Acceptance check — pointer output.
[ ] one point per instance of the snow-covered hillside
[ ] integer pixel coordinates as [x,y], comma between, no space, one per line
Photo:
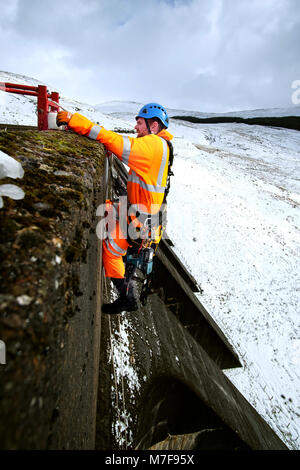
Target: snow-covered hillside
[21,109]
[237,190]
[234,219]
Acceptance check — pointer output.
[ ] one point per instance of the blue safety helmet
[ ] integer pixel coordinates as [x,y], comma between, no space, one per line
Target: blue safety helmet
[154,110]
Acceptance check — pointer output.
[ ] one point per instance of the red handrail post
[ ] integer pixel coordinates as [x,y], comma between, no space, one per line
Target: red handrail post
[42,108]
[45,100]
[54,97]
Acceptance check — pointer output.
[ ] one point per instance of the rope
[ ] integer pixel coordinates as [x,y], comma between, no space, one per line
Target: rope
[107,172]
[113,359]
[122,384]
[112,352]
[114,372]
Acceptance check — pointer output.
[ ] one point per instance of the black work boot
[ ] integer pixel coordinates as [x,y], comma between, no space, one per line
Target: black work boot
[118,283]
[126,302]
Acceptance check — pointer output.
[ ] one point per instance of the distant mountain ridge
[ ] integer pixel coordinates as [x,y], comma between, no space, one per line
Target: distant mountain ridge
[129,109]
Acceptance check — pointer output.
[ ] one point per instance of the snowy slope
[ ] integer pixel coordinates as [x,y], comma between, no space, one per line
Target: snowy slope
[130,108]
[234,208]
[237,190]
[21,109]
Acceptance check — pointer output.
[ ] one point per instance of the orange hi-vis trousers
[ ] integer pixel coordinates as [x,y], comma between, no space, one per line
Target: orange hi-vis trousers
[114,246]
[112,259]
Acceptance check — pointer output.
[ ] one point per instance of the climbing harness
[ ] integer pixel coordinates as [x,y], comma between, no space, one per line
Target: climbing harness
[170,172]
[143,258]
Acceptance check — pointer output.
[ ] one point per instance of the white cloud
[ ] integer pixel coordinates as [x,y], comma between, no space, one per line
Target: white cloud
[210,55]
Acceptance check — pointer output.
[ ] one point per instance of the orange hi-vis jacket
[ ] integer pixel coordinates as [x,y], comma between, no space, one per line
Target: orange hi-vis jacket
[147,158]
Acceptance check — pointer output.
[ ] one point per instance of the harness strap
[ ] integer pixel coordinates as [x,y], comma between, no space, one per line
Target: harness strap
[170,172]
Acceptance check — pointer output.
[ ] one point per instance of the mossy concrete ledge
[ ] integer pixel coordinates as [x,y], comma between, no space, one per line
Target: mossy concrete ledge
[50,292]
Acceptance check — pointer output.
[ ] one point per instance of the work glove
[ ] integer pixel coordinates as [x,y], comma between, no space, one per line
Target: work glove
[62,118]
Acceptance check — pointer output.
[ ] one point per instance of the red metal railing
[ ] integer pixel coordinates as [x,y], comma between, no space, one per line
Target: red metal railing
[45,101]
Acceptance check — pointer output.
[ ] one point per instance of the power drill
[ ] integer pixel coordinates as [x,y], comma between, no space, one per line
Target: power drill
[143,259]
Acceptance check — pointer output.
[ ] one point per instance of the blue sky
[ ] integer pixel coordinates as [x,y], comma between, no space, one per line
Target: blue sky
[206,55]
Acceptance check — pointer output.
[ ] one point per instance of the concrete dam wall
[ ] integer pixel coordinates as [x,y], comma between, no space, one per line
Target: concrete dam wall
[77,379]
[49,301]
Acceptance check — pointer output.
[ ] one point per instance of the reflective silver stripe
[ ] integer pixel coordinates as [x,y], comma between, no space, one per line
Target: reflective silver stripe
[163,162]
[134,178]
[112,252]
[94,132]
[134,208]
[116,247]
[126,150]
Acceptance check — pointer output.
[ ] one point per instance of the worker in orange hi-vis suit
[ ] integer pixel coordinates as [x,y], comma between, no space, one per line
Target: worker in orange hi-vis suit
[148,157]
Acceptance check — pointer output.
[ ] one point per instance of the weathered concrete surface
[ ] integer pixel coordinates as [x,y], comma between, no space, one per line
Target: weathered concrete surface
[178,389]
[49,292]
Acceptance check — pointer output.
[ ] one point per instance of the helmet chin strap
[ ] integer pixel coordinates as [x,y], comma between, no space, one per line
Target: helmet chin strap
[148,127]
